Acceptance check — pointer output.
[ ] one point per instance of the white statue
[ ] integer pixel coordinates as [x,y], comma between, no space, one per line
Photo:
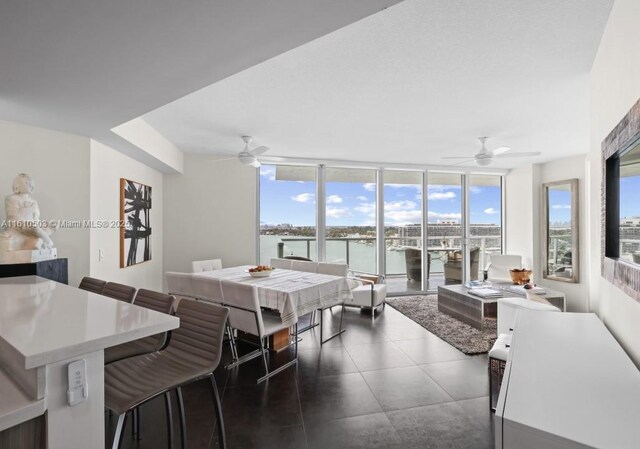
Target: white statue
[25,239]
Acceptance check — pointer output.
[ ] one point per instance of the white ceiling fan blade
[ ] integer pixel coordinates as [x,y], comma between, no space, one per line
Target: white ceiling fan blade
[500,150]
[460,163]
[525,154]
[259,150]
[458,157]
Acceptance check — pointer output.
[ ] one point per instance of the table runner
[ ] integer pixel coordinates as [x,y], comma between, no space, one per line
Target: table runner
[292,293]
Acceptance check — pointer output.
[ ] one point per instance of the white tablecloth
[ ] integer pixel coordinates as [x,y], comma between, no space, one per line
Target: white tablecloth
[292,293]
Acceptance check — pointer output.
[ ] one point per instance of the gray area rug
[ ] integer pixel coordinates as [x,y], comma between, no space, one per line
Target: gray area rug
[423,310]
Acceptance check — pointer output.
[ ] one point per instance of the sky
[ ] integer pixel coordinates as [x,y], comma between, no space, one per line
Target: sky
[630,197]
[353,204]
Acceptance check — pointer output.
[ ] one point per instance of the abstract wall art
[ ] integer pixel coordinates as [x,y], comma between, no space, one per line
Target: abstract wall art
[135,226]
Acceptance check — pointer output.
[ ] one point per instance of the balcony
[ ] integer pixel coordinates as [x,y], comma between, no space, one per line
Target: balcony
[359,252]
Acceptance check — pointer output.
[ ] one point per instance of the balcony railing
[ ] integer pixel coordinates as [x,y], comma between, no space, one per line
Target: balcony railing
[446,245]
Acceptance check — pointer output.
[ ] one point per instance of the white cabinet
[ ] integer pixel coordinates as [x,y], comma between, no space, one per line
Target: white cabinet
[568,384]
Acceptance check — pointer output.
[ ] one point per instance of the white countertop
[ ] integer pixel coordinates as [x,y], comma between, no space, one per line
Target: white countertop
[47,322]
[570,378]
[16,406]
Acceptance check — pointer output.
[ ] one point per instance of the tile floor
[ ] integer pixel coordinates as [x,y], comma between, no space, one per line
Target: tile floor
[388,384]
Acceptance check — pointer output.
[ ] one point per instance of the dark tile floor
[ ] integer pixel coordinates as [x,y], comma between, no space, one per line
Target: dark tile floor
[387,384]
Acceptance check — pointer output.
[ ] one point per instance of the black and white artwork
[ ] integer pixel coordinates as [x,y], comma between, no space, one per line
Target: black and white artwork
[135,230]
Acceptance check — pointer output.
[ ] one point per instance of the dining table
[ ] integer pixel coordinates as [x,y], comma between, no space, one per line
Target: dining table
[292,293]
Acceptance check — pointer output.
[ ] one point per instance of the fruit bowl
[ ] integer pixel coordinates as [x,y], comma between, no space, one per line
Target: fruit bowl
[520,276]
[261,271]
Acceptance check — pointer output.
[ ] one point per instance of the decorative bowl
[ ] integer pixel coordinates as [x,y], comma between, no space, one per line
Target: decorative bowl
[261,274]
[520,276]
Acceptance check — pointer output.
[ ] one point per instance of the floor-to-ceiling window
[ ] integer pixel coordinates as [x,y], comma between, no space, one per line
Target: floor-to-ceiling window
[341,211]
[350,211]
[403,230]
[287,212]
[485,219]
[444,229]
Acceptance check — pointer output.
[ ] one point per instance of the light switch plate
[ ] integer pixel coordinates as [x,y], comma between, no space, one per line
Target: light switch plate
[77,390]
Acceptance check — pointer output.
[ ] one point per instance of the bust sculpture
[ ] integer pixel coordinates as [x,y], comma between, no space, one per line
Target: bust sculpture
[24,238]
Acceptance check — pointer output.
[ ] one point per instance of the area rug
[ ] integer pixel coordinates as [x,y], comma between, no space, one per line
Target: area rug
[423,310]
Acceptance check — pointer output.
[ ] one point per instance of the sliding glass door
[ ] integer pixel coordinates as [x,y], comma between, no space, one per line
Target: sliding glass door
[287,212]
[350,211]
[403,230]
[444,229]
[485,220]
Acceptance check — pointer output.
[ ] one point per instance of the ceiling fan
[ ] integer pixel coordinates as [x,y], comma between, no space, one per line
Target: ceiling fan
[485,157]
[248,156]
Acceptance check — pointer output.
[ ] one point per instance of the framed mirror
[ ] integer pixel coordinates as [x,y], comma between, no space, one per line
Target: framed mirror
[620,219]
[560,230]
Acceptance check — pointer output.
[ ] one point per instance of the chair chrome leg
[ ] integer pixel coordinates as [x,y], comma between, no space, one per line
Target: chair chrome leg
[183,419]
[264,356]
[135,427]
[222,441]
[232,343]
[340,329]
[167,404]
[117,437]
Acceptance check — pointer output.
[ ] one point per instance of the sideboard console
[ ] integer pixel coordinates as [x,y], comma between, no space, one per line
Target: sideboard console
[567,384]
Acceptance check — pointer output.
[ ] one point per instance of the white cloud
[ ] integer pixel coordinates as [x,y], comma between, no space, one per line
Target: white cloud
[303,198]
[334,199]
[366,208]
[475,189]
[442,195]
[338,212]
[362,198]
[400,205]
[561,206]
[491,211]
[370,186]
[268,172]
[403,216]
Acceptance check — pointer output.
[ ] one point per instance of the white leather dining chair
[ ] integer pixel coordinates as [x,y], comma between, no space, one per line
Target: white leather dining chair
[246,315]
[198,266]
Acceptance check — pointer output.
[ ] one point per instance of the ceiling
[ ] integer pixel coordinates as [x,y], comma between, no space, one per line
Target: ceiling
[86,66]
[410,84]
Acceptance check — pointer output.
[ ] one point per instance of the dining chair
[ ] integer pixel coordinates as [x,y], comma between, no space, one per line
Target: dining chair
[193,354]
[246,315]
[284,264]
[92,285]
[304,265]
[160,302]
[120,292]
[198,266]
[333,269]
[179,284]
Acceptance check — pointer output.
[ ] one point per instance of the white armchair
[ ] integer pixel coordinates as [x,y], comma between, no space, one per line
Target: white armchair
[368,290]
[499,266]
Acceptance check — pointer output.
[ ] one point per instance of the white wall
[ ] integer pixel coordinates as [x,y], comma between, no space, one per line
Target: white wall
[210,212]
[59,165]
[615,87]
[519,212]
[107,166]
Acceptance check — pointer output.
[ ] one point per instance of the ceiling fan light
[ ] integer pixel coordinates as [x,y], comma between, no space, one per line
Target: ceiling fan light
[247,159]
[483,162]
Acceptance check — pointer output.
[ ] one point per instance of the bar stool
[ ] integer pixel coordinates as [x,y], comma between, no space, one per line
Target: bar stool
[498,356]
[92,285]
[160,302]
[120,292]
[193,353]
